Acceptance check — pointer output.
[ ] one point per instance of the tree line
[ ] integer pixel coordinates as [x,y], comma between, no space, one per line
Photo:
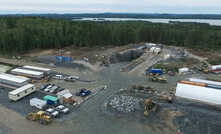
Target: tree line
[22,34]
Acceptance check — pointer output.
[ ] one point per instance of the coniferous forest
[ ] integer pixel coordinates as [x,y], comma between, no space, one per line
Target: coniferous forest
[22,34]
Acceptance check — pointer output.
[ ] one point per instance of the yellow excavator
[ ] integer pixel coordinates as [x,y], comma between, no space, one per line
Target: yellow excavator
[150,106]
[156,78]
[40,116]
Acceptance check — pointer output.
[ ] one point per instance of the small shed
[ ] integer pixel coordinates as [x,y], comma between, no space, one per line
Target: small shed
[65,96]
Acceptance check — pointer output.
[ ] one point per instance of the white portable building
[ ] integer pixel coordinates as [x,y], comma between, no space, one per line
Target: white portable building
[38,103]
[157,50]
[21,92]
[28,73]
[41,69]
[183,70]
[199,93]
[13,80]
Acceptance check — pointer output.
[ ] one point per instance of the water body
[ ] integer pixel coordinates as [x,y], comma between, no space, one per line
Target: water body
[209,21]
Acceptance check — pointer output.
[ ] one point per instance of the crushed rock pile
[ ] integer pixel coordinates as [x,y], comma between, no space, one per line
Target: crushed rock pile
[124,104]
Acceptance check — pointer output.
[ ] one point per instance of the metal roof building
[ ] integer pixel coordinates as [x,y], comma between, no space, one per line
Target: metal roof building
[28,73]
[208,94]
[13,80]
[205,81]
[45,70]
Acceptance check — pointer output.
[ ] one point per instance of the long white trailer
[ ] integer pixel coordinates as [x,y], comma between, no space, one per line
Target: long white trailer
[41,69]
[28,73]
[21,92]
[13,80]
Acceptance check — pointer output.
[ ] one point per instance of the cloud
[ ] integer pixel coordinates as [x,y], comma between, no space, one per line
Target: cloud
[99,6]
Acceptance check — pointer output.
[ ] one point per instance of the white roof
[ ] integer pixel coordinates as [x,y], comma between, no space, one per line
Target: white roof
[204,94]
[25,71]
[205,81]
[21,89]
[36,100]
[37,68]
[67,95]
[13,78]
[61,93]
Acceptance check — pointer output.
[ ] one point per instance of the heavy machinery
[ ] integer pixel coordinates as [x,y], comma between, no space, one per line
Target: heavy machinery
[150,106]
[40,116]
[156,78]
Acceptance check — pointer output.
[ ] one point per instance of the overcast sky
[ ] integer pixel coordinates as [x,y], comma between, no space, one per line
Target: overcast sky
[119,6]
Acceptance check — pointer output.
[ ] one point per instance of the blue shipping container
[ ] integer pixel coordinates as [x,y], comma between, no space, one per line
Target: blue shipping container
[156,71]
[64,59]
[49,102]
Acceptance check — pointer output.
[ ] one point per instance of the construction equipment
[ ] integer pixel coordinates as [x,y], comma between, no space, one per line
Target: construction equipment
[150,106]
[40,116]
[156,78]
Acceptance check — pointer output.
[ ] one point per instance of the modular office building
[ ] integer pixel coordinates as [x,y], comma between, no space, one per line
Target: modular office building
[21,92]
[12,80]
[28,73]
[33,68]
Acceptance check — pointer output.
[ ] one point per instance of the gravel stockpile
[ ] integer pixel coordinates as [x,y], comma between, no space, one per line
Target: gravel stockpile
[124,104]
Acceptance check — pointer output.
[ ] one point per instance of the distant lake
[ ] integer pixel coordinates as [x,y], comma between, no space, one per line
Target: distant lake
[209,21]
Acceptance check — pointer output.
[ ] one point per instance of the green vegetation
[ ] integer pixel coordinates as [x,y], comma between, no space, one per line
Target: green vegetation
[21,34]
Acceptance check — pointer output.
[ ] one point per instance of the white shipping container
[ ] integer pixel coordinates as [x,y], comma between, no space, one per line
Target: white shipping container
[204,94]
[38,103]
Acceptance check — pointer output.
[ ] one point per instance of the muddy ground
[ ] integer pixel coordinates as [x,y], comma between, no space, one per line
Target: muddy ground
[94,117]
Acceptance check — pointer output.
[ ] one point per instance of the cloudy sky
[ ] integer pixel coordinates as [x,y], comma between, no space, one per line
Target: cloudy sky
[119,6]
